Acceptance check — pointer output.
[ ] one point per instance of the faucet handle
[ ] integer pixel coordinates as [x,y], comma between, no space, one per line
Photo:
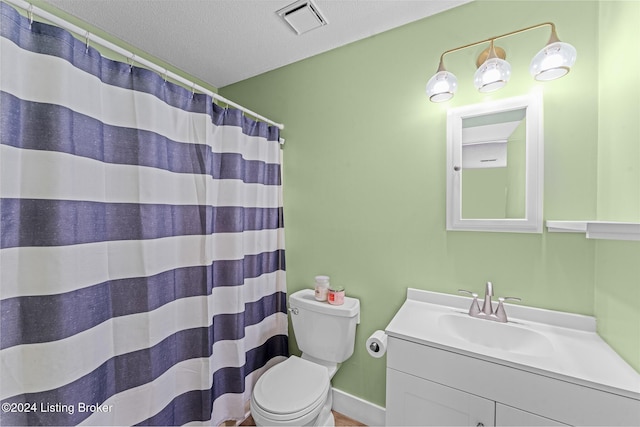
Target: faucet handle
[501,314]
[464,291]
[475,306]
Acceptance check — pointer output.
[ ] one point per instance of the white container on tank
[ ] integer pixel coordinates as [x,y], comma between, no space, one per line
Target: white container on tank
[322,288]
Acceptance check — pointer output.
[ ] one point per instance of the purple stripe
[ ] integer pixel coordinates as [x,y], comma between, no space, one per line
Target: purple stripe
[38,222]
[45,318]
[67,131]
[43,222]
[234,272]
[134,369]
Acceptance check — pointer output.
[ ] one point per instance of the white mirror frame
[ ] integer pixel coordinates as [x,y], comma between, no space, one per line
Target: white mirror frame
[532,222]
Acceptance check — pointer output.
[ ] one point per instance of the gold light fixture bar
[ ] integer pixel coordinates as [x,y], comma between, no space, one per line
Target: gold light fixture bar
[554,38]
[551,62]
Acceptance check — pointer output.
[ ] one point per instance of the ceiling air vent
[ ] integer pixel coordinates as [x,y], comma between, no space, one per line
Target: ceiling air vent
[302,16]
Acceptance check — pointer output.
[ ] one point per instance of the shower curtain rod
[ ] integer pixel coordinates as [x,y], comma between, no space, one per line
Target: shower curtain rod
[89,37]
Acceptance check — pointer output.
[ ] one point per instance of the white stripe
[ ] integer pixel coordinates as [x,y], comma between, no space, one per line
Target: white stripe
[231,140]
[233,192]
[53,270]
[231,299]
[53,175]
[62,176]
[253,288]
[86,94]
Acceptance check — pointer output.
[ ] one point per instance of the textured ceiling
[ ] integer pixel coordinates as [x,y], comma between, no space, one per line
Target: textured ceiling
[225,41]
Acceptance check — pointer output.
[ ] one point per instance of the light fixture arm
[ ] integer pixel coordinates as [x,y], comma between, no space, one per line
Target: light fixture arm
[554,38]
[492,51]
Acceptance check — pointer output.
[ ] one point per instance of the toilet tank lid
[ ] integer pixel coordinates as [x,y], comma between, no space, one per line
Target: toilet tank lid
[305,298]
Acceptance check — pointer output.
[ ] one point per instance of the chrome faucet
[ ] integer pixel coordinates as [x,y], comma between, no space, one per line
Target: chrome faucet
[487,312]
[487,307]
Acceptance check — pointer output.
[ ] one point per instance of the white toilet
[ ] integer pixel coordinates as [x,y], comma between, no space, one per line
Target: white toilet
[297,392]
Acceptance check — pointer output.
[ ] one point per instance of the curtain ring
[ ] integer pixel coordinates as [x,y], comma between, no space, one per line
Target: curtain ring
[30,15]
[193,89]
[164,75]
[86,42]
[133,60]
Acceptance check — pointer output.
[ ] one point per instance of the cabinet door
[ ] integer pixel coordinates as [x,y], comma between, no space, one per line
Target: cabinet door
[413,401]
[508,416]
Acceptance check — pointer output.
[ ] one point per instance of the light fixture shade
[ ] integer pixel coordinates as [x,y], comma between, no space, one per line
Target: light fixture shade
[553,61]
[493,74]
[442,86]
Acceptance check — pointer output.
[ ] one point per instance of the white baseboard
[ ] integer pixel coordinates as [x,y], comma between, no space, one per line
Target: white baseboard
[359,409]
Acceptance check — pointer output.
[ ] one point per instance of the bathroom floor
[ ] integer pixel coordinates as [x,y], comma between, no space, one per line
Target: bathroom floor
[341,421]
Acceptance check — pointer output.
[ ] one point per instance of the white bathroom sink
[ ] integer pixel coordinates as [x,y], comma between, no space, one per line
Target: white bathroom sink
[560,345]
[503,336]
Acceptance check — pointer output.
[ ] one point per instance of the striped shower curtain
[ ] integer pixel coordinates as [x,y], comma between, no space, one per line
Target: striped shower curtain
[142,251]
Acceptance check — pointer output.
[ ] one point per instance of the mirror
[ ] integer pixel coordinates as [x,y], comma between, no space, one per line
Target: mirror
[495,166]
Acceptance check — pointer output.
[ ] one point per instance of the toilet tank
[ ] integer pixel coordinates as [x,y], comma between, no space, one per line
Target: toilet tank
[324,331]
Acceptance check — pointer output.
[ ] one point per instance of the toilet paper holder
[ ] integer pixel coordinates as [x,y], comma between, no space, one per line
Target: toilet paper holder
[377,344]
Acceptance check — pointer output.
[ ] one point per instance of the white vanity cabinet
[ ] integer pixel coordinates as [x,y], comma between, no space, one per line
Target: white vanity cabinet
[429,386]
[414,401]
[436,379]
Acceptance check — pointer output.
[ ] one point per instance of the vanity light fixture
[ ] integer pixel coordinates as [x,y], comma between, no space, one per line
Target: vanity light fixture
[551,62]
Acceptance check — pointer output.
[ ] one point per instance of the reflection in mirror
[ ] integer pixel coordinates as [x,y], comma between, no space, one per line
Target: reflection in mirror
[493,165]
[494,157]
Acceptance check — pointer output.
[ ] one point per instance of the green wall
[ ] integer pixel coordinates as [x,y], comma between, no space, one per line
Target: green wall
[619,114]
[364,173]
[617,268]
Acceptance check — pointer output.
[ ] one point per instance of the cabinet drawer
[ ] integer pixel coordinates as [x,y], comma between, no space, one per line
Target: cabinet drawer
[536,393]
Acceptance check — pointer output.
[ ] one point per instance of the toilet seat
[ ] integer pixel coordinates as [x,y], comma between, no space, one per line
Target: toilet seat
[291,390]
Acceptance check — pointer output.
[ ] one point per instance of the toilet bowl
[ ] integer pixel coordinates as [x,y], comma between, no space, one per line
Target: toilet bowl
[298,391]
[295,392]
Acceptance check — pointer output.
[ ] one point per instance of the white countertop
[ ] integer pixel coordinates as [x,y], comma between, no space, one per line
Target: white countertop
[576,352]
